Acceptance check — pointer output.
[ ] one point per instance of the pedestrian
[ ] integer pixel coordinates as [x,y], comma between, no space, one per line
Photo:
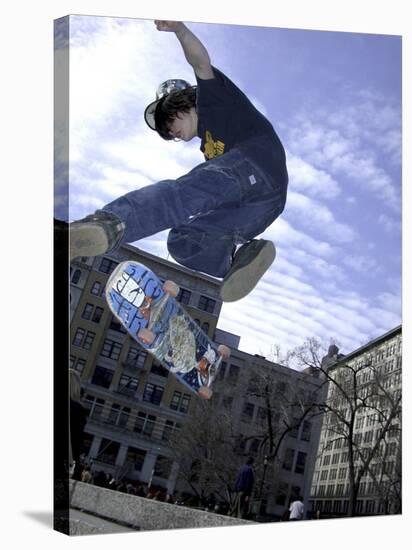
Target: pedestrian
[296,509]
[78,419]
[243,489]
[216,210]
[87,475]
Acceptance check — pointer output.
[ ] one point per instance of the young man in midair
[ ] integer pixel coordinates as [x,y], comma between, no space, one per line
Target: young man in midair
[216,210]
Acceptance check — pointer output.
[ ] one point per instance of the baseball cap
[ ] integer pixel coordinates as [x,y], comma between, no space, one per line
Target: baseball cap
[164,89]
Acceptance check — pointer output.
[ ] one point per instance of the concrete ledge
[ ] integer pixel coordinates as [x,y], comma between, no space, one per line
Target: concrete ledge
[143,513]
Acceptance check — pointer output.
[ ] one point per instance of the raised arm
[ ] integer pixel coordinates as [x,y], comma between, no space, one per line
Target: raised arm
[195,52]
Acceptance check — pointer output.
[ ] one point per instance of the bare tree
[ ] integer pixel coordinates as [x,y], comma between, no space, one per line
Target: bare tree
[205,449]
[358,391]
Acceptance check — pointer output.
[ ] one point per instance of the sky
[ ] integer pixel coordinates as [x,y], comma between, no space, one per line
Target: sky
[334,99]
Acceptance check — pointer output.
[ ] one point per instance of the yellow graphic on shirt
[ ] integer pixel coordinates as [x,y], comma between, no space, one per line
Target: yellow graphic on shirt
[213,148]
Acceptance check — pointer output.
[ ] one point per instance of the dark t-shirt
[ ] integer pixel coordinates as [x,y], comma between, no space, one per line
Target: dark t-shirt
[245,480]
[227,119]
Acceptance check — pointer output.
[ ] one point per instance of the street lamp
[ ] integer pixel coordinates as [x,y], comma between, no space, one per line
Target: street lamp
[265,464]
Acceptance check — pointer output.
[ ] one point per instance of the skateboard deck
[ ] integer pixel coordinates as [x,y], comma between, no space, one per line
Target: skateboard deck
[149,311]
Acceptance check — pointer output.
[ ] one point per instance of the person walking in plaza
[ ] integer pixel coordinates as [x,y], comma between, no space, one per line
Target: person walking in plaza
[215,211]
[296,509]
[243,488]
[77,423]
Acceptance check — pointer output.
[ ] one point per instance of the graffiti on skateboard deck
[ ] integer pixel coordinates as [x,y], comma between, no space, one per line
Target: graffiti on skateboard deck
[150,313]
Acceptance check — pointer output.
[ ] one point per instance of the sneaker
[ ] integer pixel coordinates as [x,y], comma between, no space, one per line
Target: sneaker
[96,234]
[249,264]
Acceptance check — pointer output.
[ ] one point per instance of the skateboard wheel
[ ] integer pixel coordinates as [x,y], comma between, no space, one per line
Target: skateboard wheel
[205,392]
[171,288]
[224,351]
[146,336]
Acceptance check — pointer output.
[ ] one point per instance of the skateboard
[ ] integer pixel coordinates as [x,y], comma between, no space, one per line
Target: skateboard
[149,311]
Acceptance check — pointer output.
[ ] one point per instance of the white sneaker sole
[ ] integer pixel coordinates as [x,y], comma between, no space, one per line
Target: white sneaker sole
[87,239]
[244,280]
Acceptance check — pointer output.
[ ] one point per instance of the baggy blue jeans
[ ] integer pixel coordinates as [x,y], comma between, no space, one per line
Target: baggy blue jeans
[221,203]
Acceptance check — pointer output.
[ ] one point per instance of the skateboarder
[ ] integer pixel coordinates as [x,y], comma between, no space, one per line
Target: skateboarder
[218,208]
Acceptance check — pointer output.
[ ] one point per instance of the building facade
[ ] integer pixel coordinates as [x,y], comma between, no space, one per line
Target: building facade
[135,406]
[362,420]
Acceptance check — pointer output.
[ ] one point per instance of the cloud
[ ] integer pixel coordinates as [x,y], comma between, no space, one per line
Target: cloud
[362,264]
[282,231]
[351,141]
[306,178]
[315,216]
[390,224]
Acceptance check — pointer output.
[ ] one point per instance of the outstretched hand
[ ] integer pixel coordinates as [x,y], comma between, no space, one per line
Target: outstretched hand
[169,26]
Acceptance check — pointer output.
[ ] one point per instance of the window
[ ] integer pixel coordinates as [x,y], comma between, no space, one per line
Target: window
[300,463]
[153,394]
[83,339]
[392,448]
[136,357]
[163,467]
[78,337]
[76,276]
[80,365]
[145,424]
[332,474]
[326,460]
[160,370]
[254,446]
[247,412]
[114,414]
[89,339]
[87,311]
[368,436]
[207,304]
[306,429]
[342,473]
[170,427]
[324,475]
[117,326]
[96,288]
[357,438]
[288,460]
[180,402]
[128,385]
[108,451]
[261,416]
[335,458]
[222,370]
[111,349]
[98,312]
[360,422]
[294,427]
[233,374]
[136,457]
[340,489]
[95,406]
[184,296]
[337,505]
[102,377]
[107,266]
